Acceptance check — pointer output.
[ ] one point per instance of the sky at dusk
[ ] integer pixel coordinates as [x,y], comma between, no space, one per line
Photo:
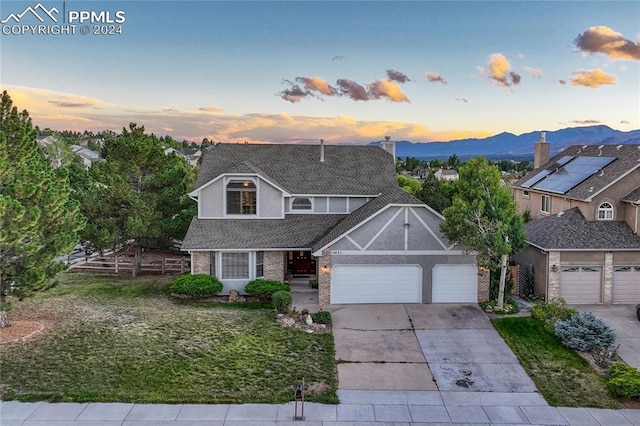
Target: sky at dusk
[347,72]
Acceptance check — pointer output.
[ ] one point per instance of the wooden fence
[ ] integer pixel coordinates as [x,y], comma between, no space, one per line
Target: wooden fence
[124,264]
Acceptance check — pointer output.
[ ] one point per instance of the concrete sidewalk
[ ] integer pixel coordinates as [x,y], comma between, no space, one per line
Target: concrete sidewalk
[357,407]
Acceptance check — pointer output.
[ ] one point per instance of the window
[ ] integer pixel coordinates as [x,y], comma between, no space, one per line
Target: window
[259,264]
[241,197]
[235,265]
[301,203]
[546,204]
[605,211]
[525,194]
[212,267]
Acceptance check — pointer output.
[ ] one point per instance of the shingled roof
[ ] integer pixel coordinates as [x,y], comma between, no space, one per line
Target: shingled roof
[569,230]
[346,169]
[633,197]
[627,158]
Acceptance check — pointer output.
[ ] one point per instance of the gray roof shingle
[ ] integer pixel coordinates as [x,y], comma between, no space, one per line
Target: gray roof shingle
[627,159]
[347,169]
[633,197]
[571,231]
[294,231]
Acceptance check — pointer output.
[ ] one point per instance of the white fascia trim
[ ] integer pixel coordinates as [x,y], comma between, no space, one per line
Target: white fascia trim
[614,181]
[241,216]
[546,249]
[337,195]
[398,253]
[238,175]
[246,250]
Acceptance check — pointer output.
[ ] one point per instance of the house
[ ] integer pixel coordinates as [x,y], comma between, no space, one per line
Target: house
[87,156]
[447,174]
[335,212]
[585,209]
[192,156]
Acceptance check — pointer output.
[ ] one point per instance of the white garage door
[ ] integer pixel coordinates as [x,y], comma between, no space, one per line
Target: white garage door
[580,284]
[455,284]
[376,284]
[626,284]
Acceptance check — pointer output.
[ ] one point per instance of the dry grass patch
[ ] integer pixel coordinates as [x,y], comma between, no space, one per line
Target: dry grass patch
[124,339]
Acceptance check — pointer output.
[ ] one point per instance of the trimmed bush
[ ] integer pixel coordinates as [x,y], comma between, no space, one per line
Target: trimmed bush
[584,332]
[196,286]
[265,288]
[553,311]
[624,380]
[322,317]
[282,301]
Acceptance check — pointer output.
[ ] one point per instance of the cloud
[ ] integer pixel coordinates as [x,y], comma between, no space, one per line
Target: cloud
[562,82]
[465,100]
[316,84]
[608,42]
[586,121]
[338,58]
[434,77]
[68,104]
[213,109]
[536,72]
[592,78]
[499,71]
[352,90]
[393,75]
[624,122]
[387,89]
[294,93]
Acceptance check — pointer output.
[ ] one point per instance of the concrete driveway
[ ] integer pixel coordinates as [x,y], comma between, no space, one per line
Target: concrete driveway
[423,347]
[623,320]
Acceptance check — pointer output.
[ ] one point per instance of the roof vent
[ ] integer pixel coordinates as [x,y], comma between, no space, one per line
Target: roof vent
[322,150]
[560,214]
[620,146]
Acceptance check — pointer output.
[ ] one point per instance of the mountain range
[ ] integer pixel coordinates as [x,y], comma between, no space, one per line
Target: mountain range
[508,145]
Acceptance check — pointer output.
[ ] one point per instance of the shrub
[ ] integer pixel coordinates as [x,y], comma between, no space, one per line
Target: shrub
[313,283]
[584,332]
[200,285]
[556,309]
[265,288]
[508,307]
[322,317]
[282,301]
[624,380]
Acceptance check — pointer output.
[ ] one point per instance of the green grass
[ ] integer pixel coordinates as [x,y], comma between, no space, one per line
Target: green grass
[124,339]
[562,376]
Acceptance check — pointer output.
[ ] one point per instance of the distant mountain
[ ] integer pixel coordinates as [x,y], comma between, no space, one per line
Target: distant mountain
[516,146]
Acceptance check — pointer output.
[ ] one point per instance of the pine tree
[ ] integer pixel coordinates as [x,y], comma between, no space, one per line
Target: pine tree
[38,219]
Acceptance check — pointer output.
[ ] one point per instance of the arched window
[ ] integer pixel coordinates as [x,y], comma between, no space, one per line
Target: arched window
[301,203]
[241,197]
[605,211]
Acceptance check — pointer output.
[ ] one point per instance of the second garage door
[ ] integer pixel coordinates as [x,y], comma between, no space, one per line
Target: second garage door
[580,284]
[626,284]
[376,284]
[455,284]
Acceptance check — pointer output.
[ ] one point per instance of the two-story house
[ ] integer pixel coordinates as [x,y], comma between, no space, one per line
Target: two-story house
[585,209]
[332,211]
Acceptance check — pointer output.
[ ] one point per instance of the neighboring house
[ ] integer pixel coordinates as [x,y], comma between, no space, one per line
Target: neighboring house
[88,156]
[447,174]
[335,212]
[192,156]
[585,206]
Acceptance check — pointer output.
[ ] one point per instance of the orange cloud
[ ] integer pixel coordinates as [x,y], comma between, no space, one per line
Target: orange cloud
[592,78]
[317,84]
[499,70]
[387,89]
[608,42]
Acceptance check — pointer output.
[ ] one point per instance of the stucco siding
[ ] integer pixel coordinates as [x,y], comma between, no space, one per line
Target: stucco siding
[211,200]
[269,201]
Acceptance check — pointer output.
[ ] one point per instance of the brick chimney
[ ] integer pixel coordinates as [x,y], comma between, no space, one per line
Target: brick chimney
[541,151]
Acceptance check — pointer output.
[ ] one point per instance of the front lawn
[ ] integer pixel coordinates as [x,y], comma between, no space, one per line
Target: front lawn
[123,339]
[562,376]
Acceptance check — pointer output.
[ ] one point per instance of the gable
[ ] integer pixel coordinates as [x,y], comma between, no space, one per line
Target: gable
[396,229]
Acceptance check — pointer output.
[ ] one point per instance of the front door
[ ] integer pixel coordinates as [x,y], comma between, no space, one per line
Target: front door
[301,263]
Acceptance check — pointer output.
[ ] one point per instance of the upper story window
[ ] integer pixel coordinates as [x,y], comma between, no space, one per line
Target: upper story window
[525,194]
[301,203]
[241,197]
[605,211]
[545,207]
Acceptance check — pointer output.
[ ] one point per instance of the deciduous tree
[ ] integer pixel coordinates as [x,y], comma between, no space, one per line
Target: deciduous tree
[484,217]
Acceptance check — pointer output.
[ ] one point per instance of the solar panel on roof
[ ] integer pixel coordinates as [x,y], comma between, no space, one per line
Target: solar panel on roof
[572,174]
[543,173]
